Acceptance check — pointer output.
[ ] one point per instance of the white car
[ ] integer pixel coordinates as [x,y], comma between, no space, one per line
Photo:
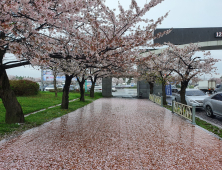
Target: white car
[98,89]
[194,97]
[213,105]
[114,89]
[51,87]
[218,88]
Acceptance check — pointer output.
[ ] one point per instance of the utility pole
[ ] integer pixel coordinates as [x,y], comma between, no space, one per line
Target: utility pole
[41,78]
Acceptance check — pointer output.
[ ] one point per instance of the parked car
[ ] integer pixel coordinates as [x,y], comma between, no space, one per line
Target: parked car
[174,89]
[114,89]
[51,87]
[98,89]
[71,88]
[40,87]
[213,105]
[193,97]
[218,88]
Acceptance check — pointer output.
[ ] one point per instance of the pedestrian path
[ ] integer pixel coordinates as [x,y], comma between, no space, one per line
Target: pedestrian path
[114,133]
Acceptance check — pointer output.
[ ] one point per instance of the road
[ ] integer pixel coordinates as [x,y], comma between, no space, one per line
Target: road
[125,93]
[200,113]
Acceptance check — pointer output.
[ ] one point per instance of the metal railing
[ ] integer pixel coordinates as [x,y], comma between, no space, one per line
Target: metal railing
[156,99]
[183,110]
[152,97]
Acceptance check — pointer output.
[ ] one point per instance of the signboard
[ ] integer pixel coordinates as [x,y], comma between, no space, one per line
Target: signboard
[218,34]
[48,76]
[168,90]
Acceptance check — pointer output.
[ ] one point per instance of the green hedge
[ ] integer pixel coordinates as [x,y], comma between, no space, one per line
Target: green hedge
[24,87]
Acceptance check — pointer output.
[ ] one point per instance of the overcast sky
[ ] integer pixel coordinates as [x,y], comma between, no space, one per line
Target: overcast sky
[183,14]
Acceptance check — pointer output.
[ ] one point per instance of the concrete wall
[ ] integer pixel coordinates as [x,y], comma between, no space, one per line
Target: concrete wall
[143,89]
[107,87]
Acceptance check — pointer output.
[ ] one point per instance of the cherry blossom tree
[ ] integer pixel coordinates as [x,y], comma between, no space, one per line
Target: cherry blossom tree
[217,80]
[158,67]
[146,72]
[15,36]
[187,65]
[105,37]
[86,31]
[22,24]
[122,67]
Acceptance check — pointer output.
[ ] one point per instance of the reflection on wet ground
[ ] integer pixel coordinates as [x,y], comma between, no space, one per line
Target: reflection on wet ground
[114,134]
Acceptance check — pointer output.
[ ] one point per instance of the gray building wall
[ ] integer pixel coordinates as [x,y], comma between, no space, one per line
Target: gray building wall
[143,89]
[179,36]
[107,87]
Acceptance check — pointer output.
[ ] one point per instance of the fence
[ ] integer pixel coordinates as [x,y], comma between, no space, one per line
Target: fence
[185,111]
[156,99]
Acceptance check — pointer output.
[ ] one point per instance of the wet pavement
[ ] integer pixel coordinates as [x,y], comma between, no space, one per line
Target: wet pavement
[114,133]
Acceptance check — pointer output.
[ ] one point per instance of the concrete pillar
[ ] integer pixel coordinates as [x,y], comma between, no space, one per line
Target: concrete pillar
[107,87]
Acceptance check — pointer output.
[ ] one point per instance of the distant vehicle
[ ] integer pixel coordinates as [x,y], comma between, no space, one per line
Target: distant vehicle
[71,88]
[174,89]
[213,105]
[218,88]
[40,87]
[206,85]
[76,87]
[114,89]
[98,89]
[119,86]
[193,97]
[51,87]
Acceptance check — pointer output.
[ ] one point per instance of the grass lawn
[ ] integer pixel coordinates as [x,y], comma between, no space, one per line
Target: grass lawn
[42,100]
[209,127]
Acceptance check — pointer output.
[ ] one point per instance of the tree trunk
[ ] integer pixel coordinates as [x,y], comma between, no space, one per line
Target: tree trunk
[93,86]
[65,95]
[82,92]
[151,87]
[184,85]
[92,89]
[164,93]
[14,113]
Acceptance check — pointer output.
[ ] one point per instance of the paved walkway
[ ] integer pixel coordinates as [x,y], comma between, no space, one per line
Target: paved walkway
[114,134]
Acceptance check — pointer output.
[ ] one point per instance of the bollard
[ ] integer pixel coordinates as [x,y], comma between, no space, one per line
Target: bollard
[172,104]
[162,101]
[193,115]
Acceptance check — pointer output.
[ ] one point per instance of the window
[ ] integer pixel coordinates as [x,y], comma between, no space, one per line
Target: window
[217,97]
[218,86]
[195,93]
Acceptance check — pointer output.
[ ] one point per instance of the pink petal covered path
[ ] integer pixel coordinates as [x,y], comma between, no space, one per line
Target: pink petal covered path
[114,134]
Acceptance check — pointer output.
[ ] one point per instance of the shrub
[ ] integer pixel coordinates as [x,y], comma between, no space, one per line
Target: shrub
[24,87]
